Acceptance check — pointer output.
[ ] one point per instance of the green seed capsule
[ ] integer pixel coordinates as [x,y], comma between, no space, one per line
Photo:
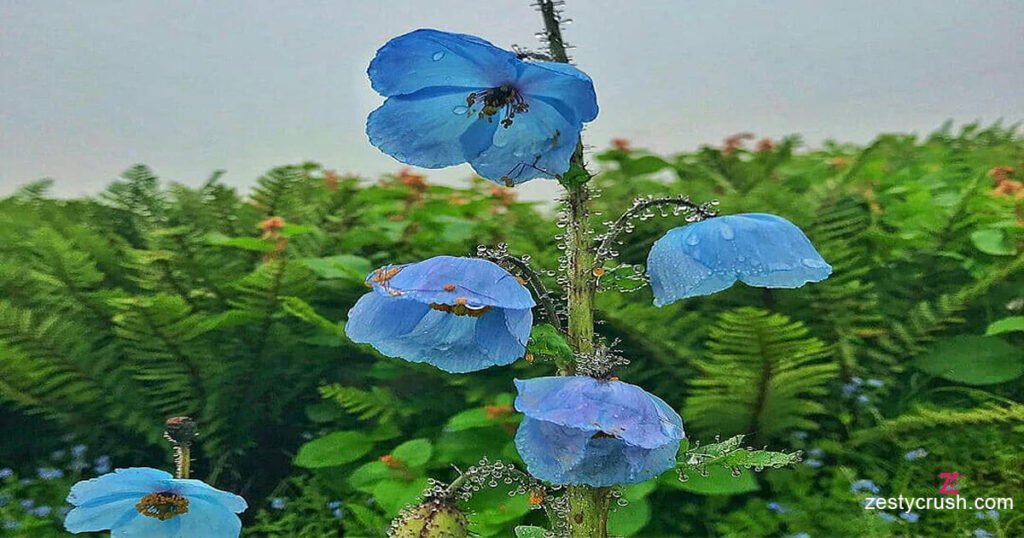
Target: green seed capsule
[432,519]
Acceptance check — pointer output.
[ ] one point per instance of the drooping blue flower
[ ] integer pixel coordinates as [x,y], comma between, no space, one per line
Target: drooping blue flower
[711,255]
[982,533]
[455,98]
[915,454]
[148,502]
[864,485]
[458,314]
[581,430]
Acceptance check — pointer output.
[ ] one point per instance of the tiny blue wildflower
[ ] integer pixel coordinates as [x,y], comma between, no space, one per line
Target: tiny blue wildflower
[813,463]
[816,452]
[455,98]
[988,514]
[58,454]
[4,499]
[777,508]
[875,383]
[863,399]
[581,430]
[982,533]
[149,502]
[886,517]
[334,505]
[338,513]
[42,511]
[102,465]
[800,535]
[915,454]
[910,517]
[10,525]
[458,314]
[49,473]
[278,503]
[864,485]
[6,472]
[711,255]
[78,451]
[26,481]
[28,504]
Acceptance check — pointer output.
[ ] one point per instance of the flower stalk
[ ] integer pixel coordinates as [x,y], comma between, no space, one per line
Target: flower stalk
[588,506]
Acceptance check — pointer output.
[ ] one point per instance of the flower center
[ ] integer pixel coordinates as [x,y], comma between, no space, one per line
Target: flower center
[501,99]
[163,505]
[462,309]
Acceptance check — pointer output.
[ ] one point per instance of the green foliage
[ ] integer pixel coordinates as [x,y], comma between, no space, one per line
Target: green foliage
[152,299]
[763,375]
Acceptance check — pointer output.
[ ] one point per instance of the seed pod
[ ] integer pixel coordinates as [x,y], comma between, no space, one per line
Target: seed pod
[435,518]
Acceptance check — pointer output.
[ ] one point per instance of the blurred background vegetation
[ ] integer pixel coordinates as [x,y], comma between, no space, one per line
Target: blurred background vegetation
[153,299]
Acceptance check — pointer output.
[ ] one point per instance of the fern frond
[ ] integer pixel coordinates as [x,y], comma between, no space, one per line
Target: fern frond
[925,418]
[377,403]
[763,375]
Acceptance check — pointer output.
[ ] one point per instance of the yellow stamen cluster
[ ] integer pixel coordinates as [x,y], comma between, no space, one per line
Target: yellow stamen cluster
[163,505]
[462,309]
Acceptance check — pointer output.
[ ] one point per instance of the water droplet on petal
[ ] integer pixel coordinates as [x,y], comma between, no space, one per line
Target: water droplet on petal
[727,232]
[460,110]
[438,55]
[812,263]
[693,240]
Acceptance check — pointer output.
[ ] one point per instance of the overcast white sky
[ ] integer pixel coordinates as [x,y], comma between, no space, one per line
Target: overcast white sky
[89,87]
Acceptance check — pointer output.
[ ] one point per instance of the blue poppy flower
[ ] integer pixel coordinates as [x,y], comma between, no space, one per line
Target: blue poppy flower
[581,430]
[711,255]
[458,314]
[864,484]
[148,502]
[910,517]
[455,98]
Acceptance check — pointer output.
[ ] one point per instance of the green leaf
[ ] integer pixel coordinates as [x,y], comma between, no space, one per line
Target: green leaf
[342,266]
[992,241]
[368,474]
[333,449]
[630,519]
[254,244]
[719,481]
[973,360]
[524,531]
[647,164]
[1006,325]
[415,453]
[546,340]
[393,495]
[575,177]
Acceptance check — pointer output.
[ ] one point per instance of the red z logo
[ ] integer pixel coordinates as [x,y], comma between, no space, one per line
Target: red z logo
[950,486]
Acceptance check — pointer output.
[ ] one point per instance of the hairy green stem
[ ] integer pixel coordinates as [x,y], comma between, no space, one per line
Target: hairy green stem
[588,506]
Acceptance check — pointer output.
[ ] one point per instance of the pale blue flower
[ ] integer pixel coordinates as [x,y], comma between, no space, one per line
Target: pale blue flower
[455,98]
[910,517]
[982,533]
[711,255]
[144,502]
[581,430]
[864,485]
[458,314]
[915,454]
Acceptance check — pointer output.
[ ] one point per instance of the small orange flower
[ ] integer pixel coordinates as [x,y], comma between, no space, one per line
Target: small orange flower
[1000,173]
[456,199]
[331,180]
[505,196]
[765,145]
[838,162]
[735,142]
[391,461]
[272,224]
[412,180]
[495,411]
[536,497]
[621,144]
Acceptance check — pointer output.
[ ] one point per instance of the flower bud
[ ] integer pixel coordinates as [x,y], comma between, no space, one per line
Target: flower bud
[435,518]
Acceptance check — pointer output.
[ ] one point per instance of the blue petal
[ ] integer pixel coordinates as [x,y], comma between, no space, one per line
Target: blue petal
[709,256]
[135,480]
[210,519]
[405,328]
[560,82]
[478,281]
[102,516]
[550,450]
[150,527]
[626,411]
[431,128]
[376,318]
[539,143]
[425,58]
[197,489]
[564,455]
